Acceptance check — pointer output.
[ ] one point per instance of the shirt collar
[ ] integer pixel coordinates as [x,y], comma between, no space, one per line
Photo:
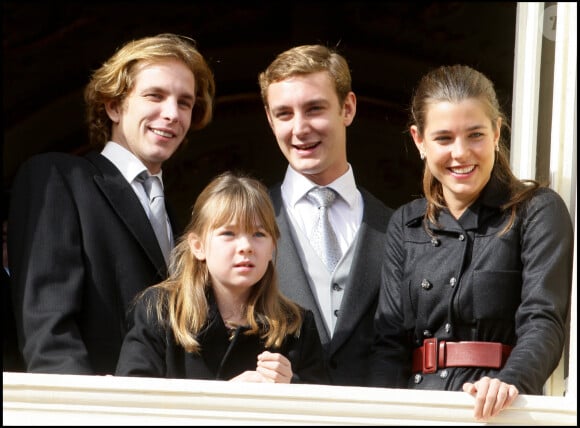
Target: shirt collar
[125,161]
[489,202]
[494,194]
[296,186]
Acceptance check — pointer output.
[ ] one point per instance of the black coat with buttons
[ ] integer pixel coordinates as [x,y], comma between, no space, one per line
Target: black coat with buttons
[466,283]
[150,348]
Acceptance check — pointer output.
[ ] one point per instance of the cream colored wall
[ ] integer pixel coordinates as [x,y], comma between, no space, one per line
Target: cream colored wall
[533,27]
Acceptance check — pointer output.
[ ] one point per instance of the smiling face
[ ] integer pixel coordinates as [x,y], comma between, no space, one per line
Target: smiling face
[459,145]
[154,118]
[236,259]
[310,124]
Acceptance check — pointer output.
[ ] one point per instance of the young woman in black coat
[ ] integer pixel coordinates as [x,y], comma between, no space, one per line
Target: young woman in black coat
[477,274]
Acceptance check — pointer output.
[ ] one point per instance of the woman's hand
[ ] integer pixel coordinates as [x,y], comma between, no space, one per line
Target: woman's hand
[491,396]
[274,367]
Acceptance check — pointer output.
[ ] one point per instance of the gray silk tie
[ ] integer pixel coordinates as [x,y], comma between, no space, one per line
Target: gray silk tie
[323,237]
[158,219]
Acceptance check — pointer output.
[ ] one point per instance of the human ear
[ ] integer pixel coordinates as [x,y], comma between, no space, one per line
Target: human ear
[269,117]
[418,140]
[497,131]
[112,107]
[349,108]
[196,246]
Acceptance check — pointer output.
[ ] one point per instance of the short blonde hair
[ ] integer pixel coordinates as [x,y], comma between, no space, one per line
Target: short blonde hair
[307,59]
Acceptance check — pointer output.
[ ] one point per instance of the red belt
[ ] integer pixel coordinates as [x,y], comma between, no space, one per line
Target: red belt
[434,355]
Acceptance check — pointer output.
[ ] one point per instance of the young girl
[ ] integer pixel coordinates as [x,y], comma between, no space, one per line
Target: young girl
[219,315]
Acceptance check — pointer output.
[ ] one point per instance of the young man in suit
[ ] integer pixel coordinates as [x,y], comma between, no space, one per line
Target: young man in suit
[309,104]
[81,237]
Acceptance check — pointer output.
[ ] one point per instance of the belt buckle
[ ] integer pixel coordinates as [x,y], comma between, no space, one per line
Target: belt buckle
[430,355]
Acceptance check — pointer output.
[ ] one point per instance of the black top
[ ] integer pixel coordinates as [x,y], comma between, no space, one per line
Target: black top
[466,283]
[81,248]
[150,349]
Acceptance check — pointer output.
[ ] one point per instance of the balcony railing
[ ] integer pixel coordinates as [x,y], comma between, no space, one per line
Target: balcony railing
[46,399]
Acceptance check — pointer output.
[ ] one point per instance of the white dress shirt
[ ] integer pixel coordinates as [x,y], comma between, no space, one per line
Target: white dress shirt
[131,167]
[345,213]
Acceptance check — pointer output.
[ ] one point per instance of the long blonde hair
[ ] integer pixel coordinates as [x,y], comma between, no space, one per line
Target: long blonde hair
[184,303]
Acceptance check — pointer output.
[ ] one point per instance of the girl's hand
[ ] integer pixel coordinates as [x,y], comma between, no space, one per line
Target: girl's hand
[274,367]
[249,376]
[491,396]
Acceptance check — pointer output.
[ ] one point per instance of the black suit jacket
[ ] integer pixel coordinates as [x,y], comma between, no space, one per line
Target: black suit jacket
[11,357]
[347,353]
[81,247]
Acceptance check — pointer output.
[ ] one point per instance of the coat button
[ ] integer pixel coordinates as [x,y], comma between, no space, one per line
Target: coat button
[336,287]
[461,237]
[435,242]
[443,374]
[447,328]
[418,378]
[427,333]
[425,284]
[452,282]
[336,313]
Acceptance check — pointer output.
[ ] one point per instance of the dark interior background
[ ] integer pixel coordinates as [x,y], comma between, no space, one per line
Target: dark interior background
[51,47]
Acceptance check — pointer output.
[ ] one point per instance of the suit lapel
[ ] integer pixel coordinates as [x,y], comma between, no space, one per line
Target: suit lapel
[364,278]
[126,205]
[294,282]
